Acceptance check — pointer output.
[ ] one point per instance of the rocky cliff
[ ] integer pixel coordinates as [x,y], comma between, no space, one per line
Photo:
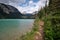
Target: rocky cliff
[9,12]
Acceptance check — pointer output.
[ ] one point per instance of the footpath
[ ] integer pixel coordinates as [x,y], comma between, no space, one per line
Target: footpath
[40,34]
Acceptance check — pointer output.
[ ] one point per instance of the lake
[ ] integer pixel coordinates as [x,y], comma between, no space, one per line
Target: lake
[11,29]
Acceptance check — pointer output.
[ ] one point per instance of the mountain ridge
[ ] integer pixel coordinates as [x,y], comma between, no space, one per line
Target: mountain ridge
[8,11]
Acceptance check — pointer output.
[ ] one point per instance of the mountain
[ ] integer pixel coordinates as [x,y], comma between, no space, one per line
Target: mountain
[28,16]
[9,12]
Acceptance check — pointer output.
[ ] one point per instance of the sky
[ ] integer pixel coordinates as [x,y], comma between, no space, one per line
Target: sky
[26,6]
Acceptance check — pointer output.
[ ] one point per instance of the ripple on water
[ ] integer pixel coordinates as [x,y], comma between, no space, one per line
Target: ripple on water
[10,29]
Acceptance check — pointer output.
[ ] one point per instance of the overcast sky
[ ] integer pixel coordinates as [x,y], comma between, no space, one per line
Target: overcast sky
[28,6]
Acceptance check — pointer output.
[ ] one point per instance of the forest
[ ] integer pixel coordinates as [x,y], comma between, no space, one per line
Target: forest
[51,16]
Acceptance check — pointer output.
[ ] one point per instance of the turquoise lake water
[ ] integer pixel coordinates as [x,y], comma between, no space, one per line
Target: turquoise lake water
[11,29]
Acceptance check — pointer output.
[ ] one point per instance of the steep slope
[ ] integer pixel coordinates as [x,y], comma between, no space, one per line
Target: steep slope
[9,12]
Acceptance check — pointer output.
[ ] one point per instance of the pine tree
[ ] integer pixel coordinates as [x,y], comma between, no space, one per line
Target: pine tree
[51,15]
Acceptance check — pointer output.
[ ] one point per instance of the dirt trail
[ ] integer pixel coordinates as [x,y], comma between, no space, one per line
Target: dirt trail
[40,34]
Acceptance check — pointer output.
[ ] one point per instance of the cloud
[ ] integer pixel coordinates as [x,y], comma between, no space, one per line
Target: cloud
[32,7]
[25,6]
[3,1]
[14,1]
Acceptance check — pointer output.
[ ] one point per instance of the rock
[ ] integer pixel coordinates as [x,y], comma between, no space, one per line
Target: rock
[9,12]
